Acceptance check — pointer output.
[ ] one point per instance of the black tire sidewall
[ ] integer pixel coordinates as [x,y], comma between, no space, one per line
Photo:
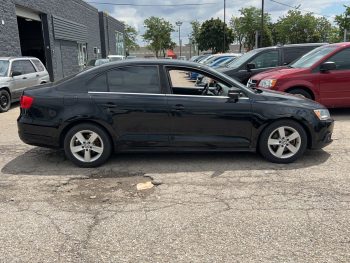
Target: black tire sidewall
[92,127]
[2,93]
[301,92]
[263,145]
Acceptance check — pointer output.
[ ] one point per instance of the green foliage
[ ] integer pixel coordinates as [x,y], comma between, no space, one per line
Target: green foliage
[245,27]
[158,35]
[211,36]
[196,26]
[130,38]
[343,20]
[298,28]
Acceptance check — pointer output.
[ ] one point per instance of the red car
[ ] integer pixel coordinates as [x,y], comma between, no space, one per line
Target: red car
[323,75]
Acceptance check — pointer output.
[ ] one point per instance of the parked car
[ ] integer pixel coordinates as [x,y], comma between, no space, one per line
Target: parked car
[97,62]
[322,75]
[115,57]
[262,59]
[143,106]
[17,74]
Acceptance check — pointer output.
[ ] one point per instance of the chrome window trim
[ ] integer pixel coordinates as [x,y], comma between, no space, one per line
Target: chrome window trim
[155,94]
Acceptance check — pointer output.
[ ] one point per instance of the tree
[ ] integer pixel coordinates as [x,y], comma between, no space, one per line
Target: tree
[211,36]
[298,28]
[343,20]
[248,24]
[236,25]
[130,38]
[158,35]
[194,36]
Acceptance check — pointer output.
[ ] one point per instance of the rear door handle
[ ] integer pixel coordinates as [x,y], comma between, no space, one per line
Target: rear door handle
[24,78]
[110,105]
[179,107]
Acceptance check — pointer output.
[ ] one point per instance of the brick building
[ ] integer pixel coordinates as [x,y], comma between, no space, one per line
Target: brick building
[64,34]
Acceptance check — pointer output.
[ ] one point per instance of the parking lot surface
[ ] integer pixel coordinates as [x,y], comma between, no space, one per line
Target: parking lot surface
[205,207]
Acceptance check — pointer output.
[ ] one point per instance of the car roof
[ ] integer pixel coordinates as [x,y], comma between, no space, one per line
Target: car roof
[292,45]
[15,58]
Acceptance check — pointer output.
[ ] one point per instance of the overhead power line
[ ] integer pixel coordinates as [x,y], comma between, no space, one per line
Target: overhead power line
[165,5]
[298,8]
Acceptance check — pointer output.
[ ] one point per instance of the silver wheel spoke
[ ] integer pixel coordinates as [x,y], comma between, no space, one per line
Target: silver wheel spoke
[273,142]
[87,156]
[292,148]
[80,137]
[97,149]
[76,149]
[293,136]
[93,137]
[279,152]
[281,132]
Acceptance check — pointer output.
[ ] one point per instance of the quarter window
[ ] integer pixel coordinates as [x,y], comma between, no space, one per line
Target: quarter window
[98,84]
[341,59]
[38,65]
[140,79]
[23,66]
[266,60]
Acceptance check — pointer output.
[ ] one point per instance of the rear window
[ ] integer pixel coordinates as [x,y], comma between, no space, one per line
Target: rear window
[38,65]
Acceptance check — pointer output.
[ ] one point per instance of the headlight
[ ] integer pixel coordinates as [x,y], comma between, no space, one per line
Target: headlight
[322,114]
[268,83]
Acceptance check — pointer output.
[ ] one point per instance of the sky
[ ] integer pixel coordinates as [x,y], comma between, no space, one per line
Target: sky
[135,15]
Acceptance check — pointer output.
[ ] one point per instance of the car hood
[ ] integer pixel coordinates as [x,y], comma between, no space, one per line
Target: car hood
[277,97]
[278,73]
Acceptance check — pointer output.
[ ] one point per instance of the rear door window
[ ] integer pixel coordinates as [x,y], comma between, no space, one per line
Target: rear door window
[266,60]
[291,54]
[23,66]
[40,67]
[98,83]
[134,79]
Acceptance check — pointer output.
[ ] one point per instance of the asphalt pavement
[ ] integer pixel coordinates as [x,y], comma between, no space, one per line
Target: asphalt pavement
[204,207]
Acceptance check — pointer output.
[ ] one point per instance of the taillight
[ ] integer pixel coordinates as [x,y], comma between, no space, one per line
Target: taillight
[26,102]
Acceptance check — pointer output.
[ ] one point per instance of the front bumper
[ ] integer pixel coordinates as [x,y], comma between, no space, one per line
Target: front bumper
[323,134]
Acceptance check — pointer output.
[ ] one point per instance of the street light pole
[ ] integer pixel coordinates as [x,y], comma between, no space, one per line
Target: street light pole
[179,23]
[223,50]
[262,23]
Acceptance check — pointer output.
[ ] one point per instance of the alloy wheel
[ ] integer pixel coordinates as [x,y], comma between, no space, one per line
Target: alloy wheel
[86,146]
[284,142]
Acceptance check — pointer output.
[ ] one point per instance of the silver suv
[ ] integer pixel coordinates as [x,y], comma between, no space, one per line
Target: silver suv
[17,74]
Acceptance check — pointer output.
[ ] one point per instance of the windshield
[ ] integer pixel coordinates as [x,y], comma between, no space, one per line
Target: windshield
[312,57]
[241,60]
[4,65]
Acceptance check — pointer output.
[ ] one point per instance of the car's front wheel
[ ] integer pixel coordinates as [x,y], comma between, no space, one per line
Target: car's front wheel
[283,141]
[87,145]
[5,101]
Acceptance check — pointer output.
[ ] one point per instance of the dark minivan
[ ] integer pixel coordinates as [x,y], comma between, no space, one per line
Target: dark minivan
[149,105]
[262,59]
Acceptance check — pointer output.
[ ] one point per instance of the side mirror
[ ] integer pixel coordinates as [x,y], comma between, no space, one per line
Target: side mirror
[250,66]
[16,73]
[327,66]
[234,94]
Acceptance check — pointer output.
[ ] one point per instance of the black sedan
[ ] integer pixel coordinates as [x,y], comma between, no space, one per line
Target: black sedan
[149,105]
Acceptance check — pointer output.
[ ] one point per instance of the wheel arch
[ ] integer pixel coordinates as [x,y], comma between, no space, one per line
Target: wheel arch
[299,121]
[69,126]
[7,89]
[302,87]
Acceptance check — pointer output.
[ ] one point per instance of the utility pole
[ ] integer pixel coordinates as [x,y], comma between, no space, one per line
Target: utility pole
[262,23]
[179,24]
[223,50]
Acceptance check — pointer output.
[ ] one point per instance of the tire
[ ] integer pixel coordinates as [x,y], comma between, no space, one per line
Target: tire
[283,141]
[86,152]
[5,100]
[301,93]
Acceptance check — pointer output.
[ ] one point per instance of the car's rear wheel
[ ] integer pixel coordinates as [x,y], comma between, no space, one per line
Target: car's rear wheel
[87,145]
[283,141]
[5,101]
[301,93]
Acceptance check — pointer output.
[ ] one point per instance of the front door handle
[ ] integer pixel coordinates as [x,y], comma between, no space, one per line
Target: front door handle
[24,78]
[109,105]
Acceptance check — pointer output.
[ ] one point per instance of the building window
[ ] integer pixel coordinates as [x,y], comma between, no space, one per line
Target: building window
[119,37]
[82,55]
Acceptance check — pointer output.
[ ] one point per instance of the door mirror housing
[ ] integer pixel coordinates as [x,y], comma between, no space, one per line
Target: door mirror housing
[250,66]
[16,73]
[234,94]
[327,66]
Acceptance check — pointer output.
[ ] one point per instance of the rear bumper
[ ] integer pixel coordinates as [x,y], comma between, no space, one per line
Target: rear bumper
[38,135]
[323,136]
